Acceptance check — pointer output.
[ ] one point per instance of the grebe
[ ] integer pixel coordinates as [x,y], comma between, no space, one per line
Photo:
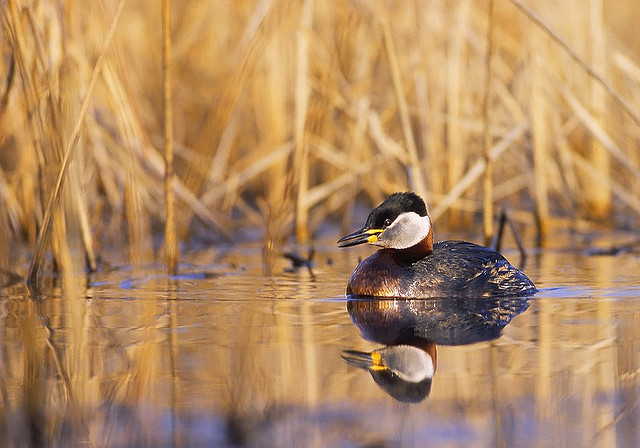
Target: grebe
[410,265]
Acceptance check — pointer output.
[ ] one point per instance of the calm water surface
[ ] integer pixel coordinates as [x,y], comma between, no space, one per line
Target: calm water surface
[224,355]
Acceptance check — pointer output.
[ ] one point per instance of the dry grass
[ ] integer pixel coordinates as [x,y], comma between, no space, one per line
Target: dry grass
[286,113]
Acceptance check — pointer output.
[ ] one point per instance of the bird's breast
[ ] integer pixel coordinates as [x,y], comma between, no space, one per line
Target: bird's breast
[380,275]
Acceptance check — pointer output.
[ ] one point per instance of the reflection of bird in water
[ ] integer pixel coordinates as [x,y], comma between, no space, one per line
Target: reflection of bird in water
[452,321]
[411,328]
[411,265]
[403,371]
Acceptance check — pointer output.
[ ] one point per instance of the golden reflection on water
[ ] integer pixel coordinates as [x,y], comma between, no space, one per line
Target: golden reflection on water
[224,356]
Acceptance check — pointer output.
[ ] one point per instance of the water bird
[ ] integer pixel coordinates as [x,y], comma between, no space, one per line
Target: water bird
[410,265]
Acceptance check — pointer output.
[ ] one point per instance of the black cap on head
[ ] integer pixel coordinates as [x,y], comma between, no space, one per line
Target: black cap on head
[393,206]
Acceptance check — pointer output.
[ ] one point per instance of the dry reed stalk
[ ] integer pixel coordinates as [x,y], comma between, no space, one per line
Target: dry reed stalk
[386,144]
[171,237]
[599,199]
[416,180]
[631,73]
[621,102]
[358,143]
[509,187]
[220,161]
[487,196]
[477,169]
[426,134]
[256,35]
[9,81]
[108,170]
[85,226]
[564,160]
[140,250]
[595,129]
[538,111]
[430,96]
[31,202]
[324,151]
[344,161]
[626,65]
[301,98]
[586,166]
[323,191]
[513,107]
[455,84]
[32,276]
[275,213]
[136,203]
[64,115]
[53,137]
[14,210]
[5,243]
[257,164]
[144,164]
[154,162]
[14,31]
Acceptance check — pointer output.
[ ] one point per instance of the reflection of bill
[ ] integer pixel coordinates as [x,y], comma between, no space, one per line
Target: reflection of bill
[411,328]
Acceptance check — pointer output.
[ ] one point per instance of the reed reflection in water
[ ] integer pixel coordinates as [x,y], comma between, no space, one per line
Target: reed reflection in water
[224,356]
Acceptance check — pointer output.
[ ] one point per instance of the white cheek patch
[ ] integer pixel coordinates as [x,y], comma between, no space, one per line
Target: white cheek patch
[407,230]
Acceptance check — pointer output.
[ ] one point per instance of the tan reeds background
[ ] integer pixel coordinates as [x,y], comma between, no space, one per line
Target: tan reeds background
[287,112]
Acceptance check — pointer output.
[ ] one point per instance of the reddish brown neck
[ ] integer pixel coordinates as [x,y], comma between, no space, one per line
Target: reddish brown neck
[416,252]
[430,348]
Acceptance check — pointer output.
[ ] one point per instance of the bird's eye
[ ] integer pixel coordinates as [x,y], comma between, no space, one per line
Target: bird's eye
[387,223]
